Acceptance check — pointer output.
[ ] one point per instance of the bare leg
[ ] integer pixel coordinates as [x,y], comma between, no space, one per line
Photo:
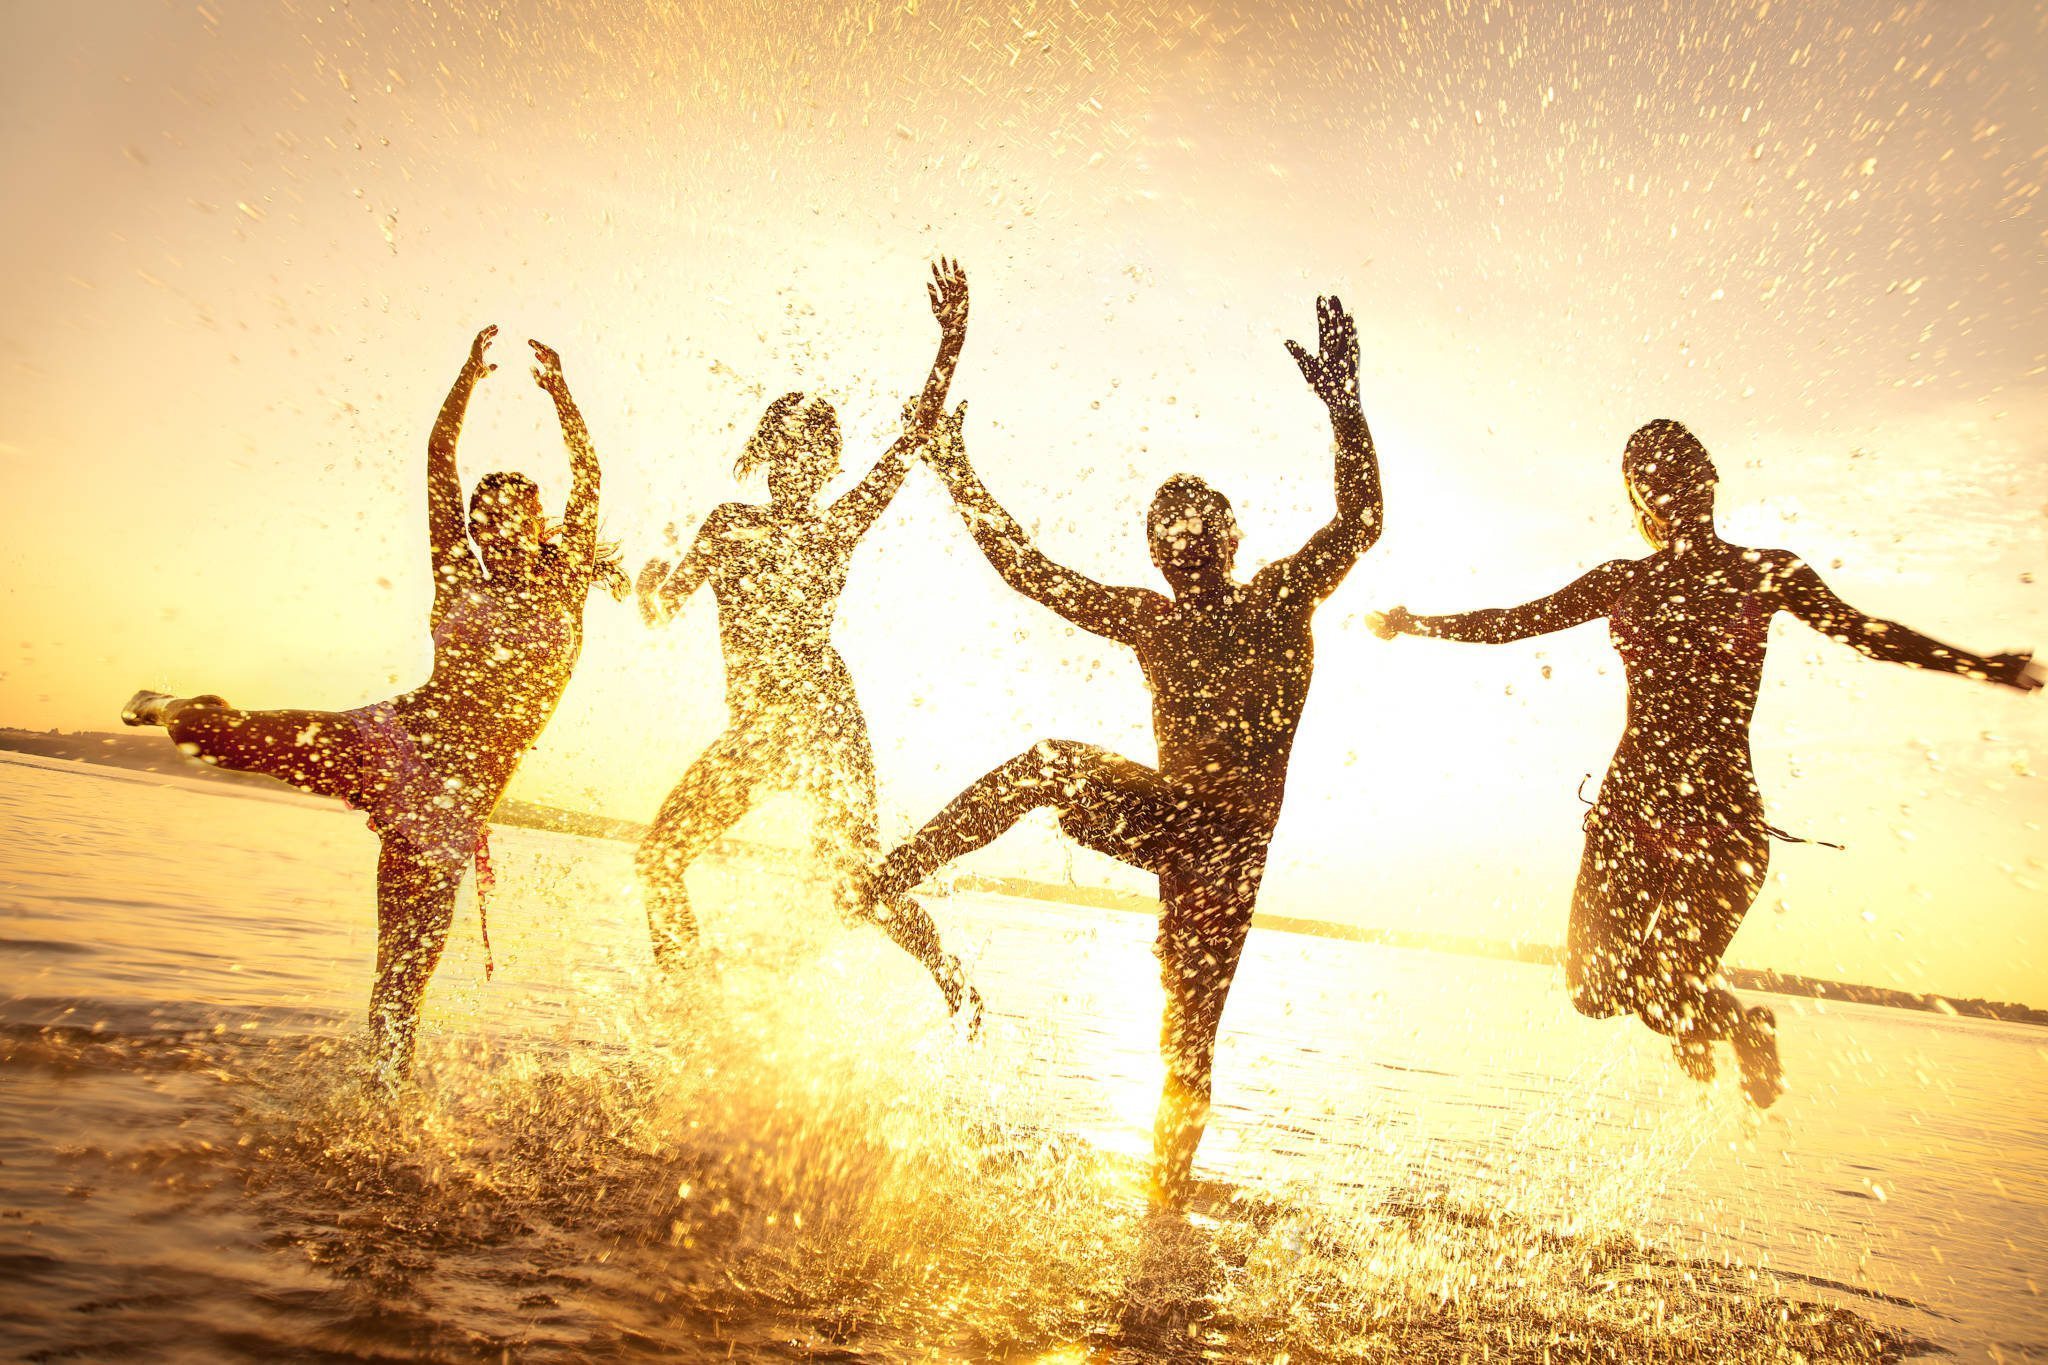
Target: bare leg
[715,791]
[316,751]
[1107,802]
[1648,929]
[842,792]
[1206,914]
[415,906]
[1680,991]
[1209,873]
[1611,905]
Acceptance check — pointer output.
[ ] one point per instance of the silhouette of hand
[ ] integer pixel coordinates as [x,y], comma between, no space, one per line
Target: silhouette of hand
[477,365]
[648,588]
[1333,373]
[945,448]
[547,369]
[1389,623]
[948,293]
[2026,675]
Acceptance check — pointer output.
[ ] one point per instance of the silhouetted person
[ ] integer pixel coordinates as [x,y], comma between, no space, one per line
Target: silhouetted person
[1228,665]
[429,766]
[1676,842]
[795,723]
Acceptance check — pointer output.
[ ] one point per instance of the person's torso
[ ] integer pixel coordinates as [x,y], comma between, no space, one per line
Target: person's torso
[1691,632]
[1229,676]
[777,581]
[502,659]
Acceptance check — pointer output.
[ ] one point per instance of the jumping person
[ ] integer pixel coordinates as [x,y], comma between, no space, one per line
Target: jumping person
[1228,666]
[1676,841]
[795,722]
[429,766]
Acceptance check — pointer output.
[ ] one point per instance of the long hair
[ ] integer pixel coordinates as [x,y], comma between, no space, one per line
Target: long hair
[607,561]
[772,431]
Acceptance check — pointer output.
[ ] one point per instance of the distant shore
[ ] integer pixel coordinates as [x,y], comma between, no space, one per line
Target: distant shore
[148,752]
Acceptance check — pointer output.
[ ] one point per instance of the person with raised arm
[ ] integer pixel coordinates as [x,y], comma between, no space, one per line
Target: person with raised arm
[795,724]
[429,766]
[1228,664]
[1676,841]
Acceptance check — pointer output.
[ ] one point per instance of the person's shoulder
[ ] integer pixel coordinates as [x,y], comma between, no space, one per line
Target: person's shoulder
[1772,567]
[734,516]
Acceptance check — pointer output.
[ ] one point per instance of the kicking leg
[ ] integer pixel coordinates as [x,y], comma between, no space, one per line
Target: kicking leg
[1105,801]
[415,906]
[715,791]
[315,751]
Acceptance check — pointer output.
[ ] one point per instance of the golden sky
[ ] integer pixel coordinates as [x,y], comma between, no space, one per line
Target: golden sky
[246,246]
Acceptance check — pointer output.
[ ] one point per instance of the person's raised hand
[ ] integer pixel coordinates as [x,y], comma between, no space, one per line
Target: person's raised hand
[647,587]
[948,293]
[547,367]
[478,365]
[1333,371]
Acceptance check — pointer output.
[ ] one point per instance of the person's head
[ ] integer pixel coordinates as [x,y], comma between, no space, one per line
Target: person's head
[506,522]
[798,443]
[1192,531]
[1670,479]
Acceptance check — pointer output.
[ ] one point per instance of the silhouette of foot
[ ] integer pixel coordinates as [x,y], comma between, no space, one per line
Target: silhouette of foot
[960,993]
[157,708]
[1756,1050]
[1695,1058]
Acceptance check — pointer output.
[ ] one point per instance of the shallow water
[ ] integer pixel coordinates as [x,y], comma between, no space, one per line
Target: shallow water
[796,1154]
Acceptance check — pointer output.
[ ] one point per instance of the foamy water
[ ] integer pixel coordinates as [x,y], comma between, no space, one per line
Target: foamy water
[797,1155]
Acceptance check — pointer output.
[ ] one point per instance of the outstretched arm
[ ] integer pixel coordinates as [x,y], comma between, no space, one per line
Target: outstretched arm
[856,511]
[663,589]
[1814,602]
[1116,613]
[1587,598]
[447,528]
[1315,570]
[580,517]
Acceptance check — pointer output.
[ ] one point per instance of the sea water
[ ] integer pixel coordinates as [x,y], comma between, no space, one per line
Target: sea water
[792,1152]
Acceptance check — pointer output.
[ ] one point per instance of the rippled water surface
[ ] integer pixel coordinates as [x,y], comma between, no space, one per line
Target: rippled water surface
[795,1154]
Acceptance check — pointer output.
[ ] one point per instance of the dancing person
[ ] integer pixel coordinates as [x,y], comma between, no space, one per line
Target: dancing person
[429,766]
[776,570]
[1676,841]
[1228,665]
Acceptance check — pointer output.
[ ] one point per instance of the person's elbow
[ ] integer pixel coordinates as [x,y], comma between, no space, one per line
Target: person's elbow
[1359,527]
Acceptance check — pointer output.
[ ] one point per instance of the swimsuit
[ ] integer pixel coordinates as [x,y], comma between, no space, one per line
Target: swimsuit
[404,794]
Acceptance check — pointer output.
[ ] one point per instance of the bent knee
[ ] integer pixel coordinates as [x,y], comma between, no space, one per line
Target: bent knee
[1597,986]
[657,858]
[1055,760]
